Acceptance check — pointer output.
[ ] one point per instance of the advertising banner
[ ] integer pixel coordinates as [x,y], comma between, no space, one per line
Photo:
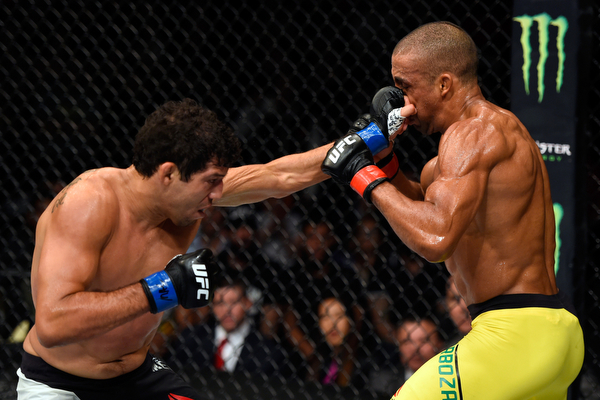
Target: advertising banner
[545,40]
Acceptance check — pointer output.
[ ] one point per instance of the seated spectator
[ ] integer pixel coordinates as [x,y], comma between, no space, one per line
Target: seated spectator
[418,341]
[367,257]
[279,227]
[229,343]
[335,362]
[313,276]
[339,366]
[459,323]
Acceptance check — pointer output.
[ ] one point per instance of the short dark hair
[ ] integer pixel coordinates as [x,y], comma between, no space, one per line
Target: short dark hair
[186,134]
[442,46]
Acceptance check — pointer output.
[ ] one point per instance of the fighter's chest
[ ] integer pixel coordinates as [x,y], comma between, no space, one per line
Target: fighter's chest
[131,255]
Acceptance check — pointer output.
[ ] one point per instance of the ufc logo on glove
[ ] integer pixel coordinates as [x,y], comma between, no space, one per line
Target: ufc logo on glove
[202,279]
[336,152]
[178,283]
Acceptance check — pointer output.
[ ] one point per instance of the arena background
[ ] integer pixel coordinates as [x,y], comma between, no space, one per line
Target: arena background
[77,80]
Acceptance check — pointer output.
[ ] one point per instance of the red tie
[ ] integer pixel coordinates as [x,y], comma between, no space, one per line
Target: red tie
[219,363]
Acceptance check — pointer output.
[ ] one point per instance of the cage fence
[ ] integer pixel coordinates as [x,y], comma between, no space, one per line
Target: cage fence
[77,80]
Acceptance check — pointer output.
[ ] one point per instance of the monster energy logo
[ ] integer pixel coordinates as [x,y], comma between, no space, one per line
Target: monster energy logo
[559,212]
[543,21]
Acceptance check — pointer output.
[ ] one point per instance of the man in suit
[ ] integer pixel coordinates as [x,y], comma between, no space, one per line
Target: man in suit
[231,342]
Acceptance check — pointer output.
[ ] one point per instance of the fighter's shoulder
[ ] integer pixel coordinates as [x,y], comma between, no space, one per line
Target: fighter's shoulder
[93,190]
[487,132]
[471,144]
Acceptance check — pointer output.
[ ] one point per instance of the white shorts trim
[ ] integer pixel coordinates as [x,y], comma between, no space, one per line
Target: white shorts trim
[28,389]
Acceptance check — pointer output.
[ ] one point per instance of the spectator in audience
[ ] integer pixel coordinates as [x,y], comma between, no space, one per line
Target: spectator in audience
[458,313]
[231,342]
[313,276]
[239,253]
[334,362]
[244,257]
[368,259]
[418,341]
[341,367]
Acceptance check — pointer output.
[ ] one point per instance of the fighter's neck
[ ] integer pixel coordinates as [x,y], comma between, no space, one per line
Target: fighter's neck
[139,196]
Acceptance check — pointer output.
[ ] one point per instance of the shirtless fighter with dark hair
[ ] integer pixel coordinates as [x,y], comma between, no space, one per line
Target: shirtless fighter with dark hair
[98,275]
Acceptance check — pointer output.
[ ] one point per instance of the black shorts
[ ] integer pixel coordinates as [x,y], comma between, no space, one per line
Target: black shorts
[153,380]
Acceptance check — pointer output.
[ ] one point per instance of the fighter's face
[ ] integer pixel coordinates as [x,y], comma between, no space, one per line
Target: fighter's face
[198,193]
[408,75]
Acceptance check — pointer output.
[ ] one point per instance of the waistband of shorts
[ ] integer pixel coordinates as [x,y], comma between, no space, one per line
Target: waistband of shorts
[34,367]
[521,300]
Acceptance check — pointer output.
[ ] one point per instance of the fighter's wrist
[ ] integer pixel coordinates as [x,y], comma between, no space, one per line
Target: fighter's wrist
[160,291]
[365,180]
[389,165]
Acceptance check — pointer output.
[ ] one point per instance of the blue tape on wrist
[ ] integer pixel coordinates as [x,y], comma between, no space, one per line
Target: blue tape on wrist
[374,138]
[162,290]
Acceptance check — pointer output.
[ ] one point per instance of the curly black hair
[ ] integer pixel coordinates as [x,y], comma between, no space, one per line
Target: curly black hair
[186,134]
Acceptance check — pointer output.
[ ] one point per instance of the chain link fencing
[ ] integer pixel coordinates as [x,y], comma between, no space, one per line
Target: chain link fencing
[77,80]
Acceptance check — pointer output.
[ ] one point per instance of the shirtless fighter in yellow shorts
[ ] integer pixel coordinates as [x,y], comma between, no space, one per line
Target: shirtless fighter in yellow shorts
[483,207]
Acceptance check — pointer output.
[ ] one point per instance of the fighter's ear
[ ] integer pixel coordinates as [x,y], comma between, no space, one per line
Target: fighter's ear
[167,173]
[445,82]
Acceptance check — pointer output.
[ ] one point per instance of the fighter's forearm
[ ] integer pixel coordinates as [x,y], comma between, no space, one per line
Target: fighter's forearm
[276,179]
[418,224]
[84,315]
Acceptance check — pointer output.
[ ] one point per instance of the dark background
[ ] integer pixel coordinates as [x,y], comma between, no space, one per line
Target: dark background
[77,80]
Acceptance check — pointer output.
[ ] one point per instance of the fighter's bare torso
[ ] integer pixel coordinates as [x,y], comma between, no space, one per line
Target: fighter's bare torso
[130,249]
[508,247]
[112,227]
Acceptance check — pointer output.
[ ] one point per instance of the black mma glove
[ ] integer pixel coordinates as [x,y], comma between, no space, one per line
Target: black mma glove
[385,109]
[350,162]
[187,279]
[385,118]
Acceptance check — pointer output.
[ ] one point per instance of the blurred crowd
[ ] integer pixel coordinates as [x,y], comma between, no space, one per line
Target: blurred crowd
[298,301]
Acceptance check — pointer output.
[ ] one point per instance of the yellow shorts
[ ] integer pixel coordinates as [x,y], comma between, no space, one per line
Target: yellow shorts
[523,346]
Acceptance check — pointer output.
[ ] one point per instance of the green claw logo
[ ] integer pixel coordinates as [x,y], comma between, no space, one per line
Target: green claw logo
[559,212]
[543,21]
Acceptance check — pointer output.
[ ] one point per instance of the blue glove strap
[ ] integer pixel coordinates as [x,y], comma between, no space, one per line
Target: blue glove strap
[374,138]
[162,290]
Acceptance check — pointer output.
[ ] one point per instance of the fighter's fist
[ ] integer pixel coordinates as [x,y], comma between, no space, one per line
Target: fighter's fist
[384,120]
[385,109]
[188,280]
[350,162]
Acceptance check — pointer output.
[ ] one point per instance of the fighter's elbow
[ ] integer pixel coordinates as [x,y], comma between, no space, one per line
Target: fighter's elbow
[47,335]
[51,333]
[436,250]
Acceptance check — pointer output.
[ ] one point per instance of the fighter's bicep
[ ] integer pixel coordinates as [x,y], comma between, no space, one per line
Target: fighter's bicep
[457,198]
[461,172]
[457,195]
